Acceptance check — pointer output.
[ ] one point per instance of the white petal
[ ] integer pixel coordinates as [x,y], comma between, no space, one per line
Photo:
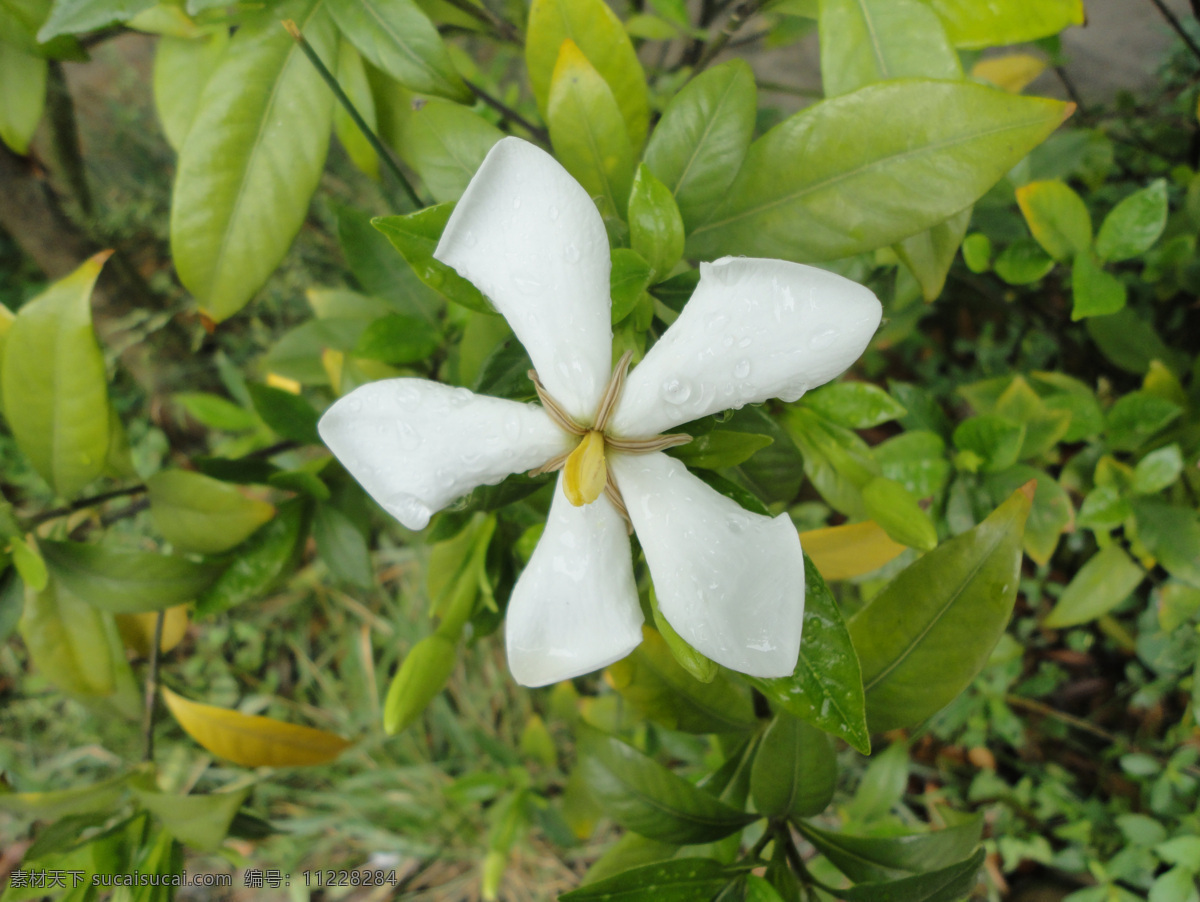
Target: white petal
[730,582]
[753,330]
[529,237]
[575,608]
[416,445]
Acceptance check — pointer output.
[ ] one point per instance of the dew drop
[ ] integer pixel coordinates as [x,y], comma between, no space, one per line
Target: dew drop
[469,239]
[822,339]
[571,253]
[525,282]
[517,203]
[512,428]
[676,391]
[553,213]
[736,523]
[354,405]
[741,369]
[408,437]
[745,342]
[727,341]
[718,322]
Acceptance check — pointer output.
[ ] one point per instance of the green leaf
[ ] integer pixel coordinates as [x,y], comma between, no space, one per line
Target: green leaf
[74,16]
[201,821]
[930,254]
[855,405]
[1052,512]
[1137,417]
[421,676]
[660,689]
[1073,396]
[875,859]
[1023,262]
[655,226]
[929,632]
[262,563]
[288,415]
[825,689]
[126,582]
[1096,292]
[380,271]
[720,448]
[701,140]
[182,67]
[1128,341]
[1044,426]
[881,787]
[995,441]
[216,412]
[628,281]
[444,143]
[601,38]
[643,796]
[252,158]
[775,472]
[949,884]
[1099,586]
[416,237]
[19,22]
[398,339]
[917,460]
[1172,534]
[352,76]
[1157,470]
[836,460]
[795,769]
[1134,224]
[867,169]
[896,509]
[1103,508]
[587,131]
[679,880]
[865,41]
[973,24]
[397,37]
[23,75]
[201,514]
[342,547]
[977,252]
[1057,217]
[71,642]
[55,391]
[61,803]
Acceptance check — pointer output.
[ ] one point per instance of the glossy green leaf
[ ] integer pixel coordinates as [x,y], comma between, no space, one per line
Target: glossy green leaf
[825,689]
[1072,395]
[1172,533]
[1128,340]
[882,785]
[1157,470]
[416,237]
[680,880]
[352,76]
[422,675]
[23,75]
[397,37]
[867,169]
[1134,224]
[1100,585]
[1057,217]
[200,821]
[1096,292]
[995,441]
[444,143]
[836,460]
[875,859]
[1052,512]
[289,415]
[720,448]
[1044,426]
[977,252]
[661,690]
[74,16]
[342,547]
[1023,262]
[973,24]
[795,769]
[701,668]
[655,226]
[55,388]
[1137,417]
[20,21]
[72,643]
[380,271]
[267,558]
[587,131]
[299,353]
[398,339]
[949,884]
[897,510]
[643,796]
[126,582]
[929,632]
[1103,508]
[457,570]
[865,41]
[930,254]
[629,852]
[343,304]
[182,67]
[702,138]
[28,561]
[198,513]
[855,405]
[252,158]
[601,38]
[628,281]
[917,460]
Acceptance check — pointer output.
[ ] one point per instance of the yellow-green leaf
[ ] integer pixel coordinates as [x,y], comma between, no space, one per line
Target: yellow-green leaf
[137,630]
[71,642]
[200,821]
[182,67]
[198,513]
[60,803]
[23,75]
[1058,218]
[251,740]
[1011,72]
[844,552]
[971,23]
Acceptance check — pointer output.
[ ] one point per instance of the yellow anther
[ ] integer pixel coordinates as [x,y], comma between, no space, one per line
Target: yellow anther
[585,474]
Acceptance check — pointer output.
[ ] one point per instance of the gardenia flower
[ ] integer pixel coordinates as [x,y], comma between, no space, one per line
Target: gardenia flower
[729,581]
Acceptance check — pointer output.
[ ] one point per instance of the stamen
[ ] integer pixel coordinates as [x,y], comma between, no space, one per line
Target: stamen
[613,393]
[647,445]
[563,419]
[585,474]
[613,494]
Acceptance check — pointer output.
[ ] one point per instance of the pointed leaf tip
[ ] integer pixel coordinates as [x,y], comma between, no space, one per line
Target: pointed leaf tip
[1028,489]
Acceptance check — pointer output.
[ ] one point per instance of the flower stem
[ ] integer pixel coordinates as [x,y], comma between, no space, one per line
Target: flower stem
[382,149]
[740,16]
[152,690]
[505,30]
[85,503]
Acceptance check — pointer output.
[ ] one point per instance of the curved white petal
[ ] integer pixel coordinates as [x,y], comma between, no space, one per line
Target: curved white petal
[575,608]
[753,330]
[416,445]
[529,237]
[730,582]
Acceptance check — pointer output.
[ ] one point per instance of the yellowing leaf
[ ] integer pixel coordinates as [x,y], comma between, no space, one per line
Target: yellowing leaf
[1011,72]
[843,552]
[137,630]
[284,383]
[250,740]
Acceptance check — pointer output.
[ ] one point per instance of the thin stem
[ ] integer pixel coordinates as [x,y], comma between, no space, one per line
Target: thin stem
[272,450]
[540,134]
[382,149]
[780,88]
[126,512]
[85,503]
[152,690]
[64,136]
[756,849]
[1178,26]
[1072,91]
[739,18]
[504,30]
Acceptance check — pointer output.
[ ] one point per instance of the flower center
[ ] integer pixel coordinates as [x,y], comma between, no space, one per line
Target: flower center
[585,473]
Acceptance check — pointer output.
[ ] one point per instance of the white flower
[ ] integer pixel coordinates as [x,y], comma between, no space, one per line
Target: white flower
[730,582]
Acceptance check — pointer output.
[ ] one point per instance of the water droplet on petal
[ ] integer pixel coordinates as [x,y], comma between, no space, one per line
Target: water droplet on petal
[718,322]
[525,282]
[553,213]
[469,239]
[745,342]
[822,338]
[571,253]
[512,427]
[408,437]
[517,202]
[676,391]
[741,369]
